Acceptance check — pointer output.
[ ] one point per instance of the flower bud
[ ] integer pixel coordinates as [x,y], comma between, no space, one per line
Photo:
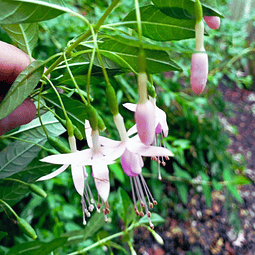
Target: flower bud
[213,22]
[199,72]
[37,190]
[57,144]
[145,122]
[26,228]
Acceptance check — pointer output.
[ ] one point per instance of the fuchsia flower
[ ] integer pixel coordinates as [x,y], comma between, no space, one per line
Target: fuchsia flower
[199,72]
[160,130]
[95,157]
[213,22]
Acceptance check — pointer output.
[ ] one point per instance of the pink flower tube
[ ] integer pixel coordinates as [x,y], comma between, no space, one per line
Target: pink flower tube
[213,22]
[199,72]
[145,122]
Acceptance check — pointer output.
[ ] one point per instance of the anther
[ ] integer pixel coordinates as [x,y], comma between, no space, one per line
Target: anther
[155,202]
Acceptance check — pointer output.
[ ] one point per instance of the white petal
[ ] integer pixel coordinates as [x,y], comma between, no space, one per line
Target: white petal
[101,176]
[148,151]
[53,174]
[67,158]
[108,142]
[130,107]
[78,178]
[112,154]
[161,118]
[132,130]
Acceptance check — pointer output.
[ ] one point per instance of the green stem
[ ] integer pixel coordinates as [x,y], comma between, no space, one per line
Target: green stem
[59,98]
[84,36]
[102,241]
[139,23]
[15,180]
[15,214]
[39,112]
[74,81]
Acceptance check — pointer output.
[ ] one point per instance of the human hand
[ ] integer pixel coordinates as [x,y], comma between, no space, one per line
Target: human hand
[12,62]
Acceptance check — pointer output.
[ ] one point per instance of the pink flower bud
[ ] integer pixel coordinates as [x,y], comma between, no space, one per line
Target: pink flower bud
[199,72]
[145,122]
[213,22]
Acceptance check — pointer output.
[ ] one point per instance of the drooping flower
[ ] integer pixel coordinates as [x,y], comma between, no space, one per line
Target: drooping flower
[213,22]
[161,130]
[131,151]
[94,157]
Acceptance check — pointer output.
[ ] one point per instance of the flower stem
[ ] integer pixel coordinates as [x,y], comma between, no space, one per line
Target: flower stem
[13,212]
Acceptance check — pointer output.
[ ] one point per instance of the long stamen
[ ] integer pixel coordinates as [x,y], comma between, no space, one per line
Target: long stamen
[133,195]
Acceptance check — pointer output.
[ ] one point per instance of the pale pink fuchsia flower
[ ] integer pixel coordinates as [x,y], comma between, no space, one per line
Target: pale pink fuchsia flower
[161,130]
[94,157]
[131,151]
[199,72]
[213,22]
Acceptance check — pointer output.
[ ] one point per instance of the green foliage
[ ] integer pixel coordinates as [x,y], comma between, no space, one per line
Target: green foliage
[196,135]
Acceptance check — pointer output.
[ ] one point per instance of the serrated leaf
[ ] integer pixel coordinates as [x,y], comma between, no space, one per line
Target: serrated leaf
[75,109]
[21,88]
[27,11]
[37,247]
[17,155]
[159,27]
[24,36]
[184,9]
[227,177]
[123,50]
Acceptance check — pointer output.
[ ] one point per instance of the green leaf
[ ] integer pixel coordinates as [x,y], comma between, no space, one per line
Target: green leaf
[24,36]
[227,177]
[123,208]
[216,185]
[159,27]
[123,50]
[118,172]
[94,224]
[75,109]
[17,155]
[183,191]
[184,9]
[2,234]
[27,11]
[155,218]
[207,191]
[241,180]
[37,247]
[21,88]
[181,173]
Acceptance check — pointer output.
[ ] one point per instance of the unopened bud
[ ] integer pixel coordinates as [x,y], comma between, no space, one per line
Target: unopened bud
[157,237]
[92,117]
[37,190]
[212,22]
[26,228]
[199,72]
